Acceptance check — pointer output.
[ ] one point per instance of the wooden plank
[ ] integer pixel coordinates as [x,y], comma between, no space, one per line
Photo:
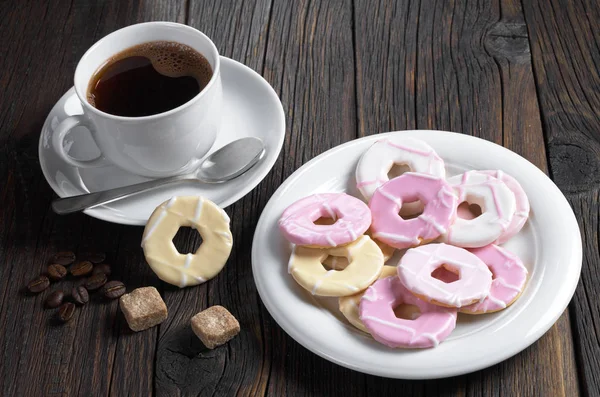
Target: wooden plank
[555,370]
[44,42]
[305,61]
[566,54]
[183,365]
[310,62]
[461,66]
[386,59]
[450,65]
[130,350]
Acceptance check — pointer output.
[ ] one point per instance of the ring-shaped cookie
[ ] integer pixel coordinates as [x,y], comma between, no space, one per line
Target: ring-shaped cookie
[508,282]
[352,218]
[365,264]
[433,325]
[497,204]
[349,305]
[439,211]
[374,165]
[474,277]
[340,262]
[191,269]
[521,204]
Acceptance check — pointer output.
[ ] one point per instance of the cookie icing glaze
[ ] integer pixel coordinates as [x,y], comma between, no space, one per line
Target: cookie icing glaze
[507,285]
[440,209]
[352,218]
[340,262]
[365,264]
[521,207]
[497,204]
[191,269]
[349,304]
[374,165]
[377,314]
[474,277]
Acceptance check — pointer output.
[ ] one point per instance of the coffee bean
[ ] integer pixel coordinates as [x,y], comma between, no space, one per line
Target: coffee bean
[56,272]
[82,268]
[38,284]
[96,281]
[102,268]
[55,299]
[64,258]
[80,295]
[94,257]
[113,289]
[66,311]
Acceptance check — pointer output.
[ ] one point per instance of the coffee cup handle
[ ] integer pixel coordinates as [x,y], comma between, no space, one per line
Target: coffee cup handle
[61,131]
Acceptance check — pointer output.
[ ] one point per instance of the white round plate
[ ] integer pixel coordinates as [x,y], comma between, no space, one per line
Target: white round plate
[549,244]
[250,108]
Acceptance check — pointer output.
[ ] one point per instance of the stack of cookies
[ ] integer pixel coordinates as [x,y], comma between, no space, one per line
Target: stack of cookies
[448,233]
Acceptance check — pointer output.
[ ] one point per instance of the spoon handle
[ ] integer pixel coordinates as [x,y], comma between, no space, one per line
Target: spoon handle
[71,204]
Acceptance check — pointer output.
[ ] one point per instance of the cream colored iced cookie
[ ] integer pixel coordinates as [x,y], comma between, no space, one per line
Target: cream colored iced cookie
[349,304]
[366,262]
[340,262]
[192,269]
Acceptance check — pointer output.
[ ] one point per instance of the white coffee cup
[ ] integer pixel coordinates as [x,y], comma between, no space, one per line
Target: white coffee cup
[163,144]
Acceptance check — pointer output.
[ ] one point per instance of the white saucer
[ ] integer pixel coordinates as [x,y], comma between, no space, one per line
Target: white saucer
[549,245]
[250,108]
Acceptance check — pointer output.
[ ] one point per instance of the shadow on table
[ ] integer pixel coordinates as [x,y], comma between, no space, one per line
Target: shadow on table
[185,365]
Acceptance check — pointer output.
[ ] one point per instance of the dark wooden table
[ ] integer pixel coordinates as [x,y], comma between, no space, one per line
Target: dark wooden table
[524,74]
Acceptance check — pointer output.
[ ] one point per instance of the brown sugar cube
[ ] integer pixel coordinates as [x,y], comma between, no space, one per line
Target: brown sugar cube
[215,326]
[143,308]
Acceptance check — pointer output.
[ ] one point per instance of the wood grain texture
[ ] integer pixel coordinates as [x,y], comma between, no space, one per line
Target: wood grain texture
[305,61]
[183,365]
[310,62]
[343,69]
[470,71]
[93,354]
[566,53]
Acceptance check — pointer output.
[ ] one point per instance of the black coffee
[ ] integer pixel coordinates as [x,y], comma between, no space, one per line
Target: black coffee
[148,79]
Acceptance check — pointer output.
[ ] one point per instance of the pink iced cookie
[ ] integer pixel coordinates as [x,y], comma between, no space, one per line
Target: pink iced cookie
[352,218]
[377,314]
[522,204]
[439,210]
[507,285]
[417,265]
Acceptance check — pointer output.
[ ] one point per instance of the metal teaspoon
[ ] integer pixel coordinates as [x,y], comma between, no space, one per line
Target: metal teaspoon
[227,163]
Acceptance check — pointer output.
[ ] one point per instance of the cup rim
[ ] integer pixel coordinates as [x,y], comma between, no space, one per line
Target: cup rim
[211,82]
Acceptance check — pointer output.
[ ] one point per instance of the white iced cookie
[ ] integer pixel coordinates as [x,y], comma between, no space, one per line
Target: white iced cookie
[522,204]
[497,204]
[349,304]
[365,264]
[191,269]
[374,165]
